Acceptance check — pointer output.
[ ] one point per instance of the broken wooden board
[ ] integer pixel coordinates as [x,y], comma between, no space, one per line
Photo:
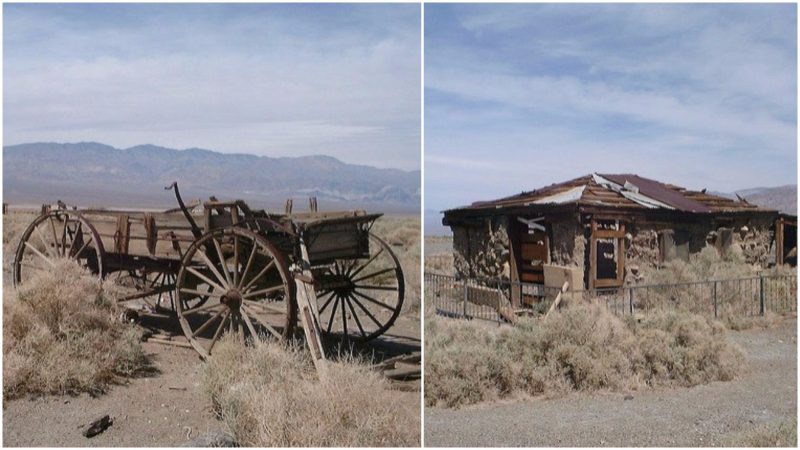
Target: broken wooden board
[557,300]
[309,314]
[555,276]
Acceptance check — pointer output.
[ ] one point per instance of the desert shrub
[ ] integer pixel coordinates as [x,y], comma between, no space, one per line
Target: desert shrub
[61,335]
[739,323]
[781,434]
[707,264]
[270,395]
[683,349]
[581,348]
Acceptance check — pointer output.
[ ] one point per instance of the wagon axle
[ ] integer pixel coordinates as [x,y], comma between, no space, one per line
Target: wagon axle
[340,284]
[232,299]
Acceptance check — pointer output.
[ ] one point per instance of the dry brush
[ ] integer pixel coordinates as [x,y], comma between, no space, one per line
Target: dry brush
[61,334]
[582,348]
[270,396]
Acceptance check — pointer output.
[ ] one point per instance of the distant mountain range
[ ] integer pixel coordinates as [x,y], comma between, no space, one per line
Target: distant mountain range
[90,173]
[782,198]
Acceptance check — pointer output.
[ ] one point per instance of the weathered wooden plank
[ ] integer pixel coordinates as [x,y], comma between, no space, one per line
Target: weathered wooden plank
[534,252]
[557,300]
[530,277]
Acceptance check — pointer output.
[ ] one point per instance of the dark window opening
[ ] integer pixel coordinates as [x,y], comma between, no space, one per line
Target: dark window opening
[607,259]
[608,253]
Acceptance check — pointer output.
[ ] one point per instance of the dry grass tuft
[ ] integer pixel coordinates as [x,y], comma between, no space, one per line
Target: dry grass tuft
[708,264]
[782,434]
[582,348]
[270,396]
[61,335]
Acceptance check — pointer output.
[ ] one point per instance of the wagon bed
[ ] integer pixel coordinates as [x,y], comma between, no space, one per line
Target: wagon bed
[221,267]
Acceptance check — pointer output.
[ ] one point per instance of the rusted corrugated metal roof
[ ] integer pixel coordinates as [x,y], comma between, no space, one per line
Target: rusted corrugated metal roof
[660,192]
[620,191]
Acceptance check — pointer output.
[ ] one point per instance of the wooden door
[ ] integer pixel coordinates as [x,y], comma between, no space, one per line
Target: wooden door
[607,253]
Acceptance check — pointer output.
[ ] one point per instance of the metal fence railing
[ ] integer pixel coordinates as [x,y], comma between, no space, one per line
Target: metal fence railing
[489,299]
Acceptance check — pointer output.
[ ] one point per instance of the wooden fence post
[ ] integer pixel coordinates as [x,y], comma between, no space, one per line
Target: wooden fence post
[465,299]
[715,299]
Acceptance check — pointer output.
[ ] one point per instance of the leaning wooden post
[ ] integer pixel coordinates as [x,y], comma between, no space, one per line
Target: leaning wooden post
[557,300]
[308,309]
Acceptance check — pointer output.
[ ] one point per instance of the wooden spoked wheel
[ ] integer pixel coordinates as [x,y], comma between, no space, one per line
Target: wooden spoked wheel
[360,299]
[54,236]
[154,289]
[248,285]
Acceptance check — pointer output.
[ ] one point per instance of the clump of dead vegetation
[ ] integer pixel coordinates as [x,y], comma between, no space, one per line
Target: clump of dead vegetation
[781,434]
[582,348]
[708,264]
[61,335]
[270,396]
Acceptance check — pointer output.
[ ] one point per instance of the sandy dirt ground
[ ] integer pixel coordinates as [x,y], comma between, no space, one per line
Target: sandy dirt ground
[705,415]
[167,408]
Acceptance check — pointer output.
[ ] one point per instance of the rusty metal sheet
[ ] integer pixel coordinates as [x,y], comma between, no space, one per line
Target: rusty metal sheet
[660,192]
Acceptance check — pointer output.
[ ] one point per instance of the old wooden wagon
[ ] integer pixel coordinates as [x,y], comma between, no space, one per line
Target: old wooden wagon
[224,268]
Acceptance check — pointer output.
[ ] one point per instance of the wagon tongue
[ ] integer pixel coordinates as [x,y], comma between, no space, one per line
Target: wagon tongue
[232,299]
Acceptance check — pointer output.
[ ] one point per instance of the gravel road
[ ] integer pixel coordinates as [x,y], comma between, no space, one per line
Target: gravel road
[706,415]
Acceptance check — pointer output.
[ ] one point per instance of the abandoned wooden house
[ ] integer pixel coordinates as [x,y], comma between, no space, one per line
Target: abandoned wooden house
[603,229]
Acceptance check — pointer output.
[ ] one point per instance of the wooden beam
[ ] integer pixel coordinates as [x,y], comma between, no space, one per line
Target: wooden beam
[593,256]
[309,313]
[557,300]
[779,226]
[513,258]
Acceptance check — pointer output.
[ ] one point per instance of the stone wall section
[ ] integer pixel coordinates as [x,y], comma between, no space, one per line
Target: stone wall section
[482,250]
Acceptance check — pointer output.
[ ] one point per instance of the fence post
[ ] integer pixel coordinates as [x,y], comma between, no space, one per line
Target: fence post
[499,301]
[631,300]
[761,295]
[715,299]
[465,299]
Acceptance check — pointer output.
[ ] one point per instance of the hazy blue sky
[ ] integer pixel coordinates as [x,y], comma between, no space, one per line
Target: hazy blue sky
[521,96]
[342,80]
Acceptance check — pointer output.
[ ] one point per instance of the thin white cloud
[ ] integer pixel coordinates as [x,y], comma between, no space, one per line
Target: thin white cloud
[521,96]
[276,83]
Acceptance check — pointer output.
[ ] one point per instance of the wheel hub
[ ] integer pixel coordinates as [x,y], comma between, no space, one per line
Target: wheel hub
[232,299]
[341,284]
